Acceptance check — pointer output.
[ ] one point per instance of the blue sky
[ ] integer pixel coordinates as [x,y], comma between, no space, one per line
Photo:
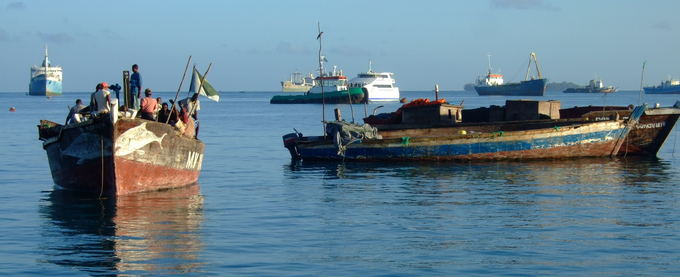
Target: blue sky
[255,44]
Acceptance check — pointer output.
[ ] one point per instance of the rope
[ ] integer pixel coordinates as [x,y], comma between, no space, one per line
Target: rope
[101,144]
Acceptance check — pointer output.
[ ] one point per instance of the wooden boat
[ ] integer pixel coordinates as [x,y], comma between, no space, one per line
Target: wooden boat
[122,157]
[518,139]
[648,135]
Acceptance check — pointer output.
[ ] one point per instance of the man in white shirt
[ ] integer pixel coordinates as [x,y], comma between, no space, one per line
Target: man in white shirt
[103,99]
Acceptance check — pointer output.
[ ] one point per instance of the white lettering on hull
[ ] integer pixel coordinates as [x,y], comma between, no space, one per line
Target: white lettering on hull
[650,125]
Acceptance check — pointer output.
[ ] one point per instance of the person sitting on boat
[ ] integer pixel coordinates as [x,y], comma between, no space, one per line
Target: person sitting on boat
[192,105]
[93,102]
[158,106]
[74,115]
[187,126]
[148,105]
[102,99]
[164,115]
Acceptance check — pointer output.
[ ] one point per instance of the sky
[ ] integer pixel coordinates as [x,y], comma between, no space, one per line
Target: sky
[253,45]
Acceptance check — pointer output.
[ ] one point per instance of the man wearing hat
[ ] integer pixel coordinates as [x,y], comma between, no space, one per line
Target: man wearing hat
[103,98]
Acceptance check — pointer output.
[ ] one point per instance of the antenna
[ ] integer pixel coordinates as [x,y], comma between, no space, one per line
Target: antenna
[642,78]
[488,57]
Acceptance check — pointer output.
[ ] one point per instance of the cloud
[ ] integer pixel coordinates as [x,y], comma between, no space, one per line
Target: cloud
[7,36]
[285,47]
[57,38]
[16,6]
[662,25]
[523,5]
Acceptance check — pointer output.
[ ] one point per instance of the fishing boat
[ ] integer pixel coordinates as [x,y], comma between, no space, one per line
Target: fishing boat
[437,132]
[117,153]
[670,86]
[379,86]
[594,86]
[45,79]
[492,84]
[648,135]
[297,83]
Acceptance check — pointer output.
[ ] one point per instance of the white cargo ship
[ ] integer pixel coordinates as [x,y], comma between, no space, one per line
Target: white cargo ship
[45,79]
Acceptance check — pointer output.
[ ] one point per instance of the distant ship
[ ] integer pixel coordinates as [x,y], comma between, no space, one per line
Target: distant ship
[669,86]
[329,88]
[380,86]
[297,83]
[45,79]
[493,84]
[594,86]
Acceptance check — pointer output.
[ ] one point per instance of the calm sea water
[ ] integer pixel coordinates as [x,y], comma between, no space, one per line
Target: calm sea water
[257,213]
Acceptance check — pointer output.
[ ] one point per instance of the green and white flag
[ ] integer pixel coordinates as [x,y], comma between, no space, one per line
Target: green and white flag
[206,89]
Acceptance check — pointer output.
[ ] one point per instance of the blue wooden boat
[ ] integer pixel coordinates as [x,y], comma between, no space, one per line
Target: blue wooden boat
[522,139]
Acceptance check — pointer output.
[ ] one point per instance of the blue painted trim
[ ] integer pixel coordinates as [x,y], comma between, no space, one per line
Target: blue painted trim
[359,151]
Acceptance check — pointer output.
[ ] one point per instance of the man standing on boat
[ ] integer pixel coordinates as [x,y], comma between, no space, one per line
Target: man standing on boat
[103,99]
[135,87]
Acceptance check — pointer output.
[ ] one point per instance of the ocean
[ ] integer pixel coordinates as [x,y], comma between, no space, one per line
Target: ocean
[257,213]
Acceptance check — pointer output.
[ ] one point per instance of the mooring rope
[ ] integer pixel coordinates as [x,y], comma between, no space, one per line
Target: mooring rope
[101,144]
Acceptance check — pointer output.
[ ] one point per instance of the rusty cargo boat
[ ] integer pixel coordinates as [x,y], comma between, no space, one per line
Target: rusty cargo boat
[118,157]
[437,132]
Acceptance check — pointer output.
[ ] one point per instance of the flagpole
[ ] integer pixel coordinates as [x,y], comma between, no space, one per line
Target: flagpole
[179,89]
[200,86]
[323,98]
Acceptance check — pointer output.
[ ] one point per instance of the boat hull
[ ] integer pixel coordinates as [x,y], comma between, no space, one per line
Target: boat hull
[523,88]
[648,135]
[335,97]
[661,90]
[41,86]
[123,158]
[582,140]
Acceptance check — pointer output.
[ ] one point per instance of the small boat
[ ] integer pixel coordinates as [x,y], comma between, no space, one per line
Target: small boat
[670,86]
[594,86]
[379,86]
[117,153]
[437,132]
[45,79]
[297,83]
[492,84]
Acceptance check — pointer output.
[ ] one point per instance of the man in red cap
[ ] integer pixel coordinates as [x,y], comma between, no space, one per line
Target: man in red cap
[103,99]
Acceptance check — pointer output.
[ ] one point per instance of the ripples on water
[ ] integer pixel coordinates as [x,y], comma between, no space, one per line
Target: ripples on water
[257,213]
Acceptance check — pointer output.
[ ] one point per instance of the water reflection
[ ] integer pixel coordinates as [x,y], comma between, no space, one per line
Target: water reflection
[628,171]
[149,233]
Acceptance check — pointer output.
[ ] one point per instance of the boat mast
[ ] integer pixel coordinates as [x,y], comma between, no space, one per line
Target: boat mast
[642,79]
[323,99]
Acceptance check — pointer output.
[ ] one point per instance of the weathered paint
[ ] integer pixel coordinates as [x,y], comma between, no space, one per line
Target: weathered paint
[646,138]
[597,139]
[130,156]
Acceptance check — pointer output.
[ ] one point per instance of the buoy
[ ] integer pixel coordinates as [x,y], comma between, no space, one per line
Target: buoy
[12,109]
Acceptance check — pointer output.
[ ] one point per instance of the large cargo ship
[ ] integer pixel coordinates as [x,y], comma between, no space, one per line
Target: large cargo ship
[669,86]
[297,83]
[45,79]
[493,84]
[594,86]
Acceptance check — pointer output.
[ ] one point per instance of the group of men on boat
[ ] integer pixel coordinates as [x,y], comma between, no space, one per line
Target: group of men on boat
[148,108]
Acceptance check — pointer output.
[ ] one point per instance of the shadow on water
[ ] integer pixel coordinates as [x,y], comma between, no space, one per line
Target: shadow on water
[147,233]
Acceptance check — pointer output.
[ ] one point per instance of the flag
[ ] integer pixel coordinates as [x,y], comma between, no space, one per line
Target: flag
[206,89]
[319,36]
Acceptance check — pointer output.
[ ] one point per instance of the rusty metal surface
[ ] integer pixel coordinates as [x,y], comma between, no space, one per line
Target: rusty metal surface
[139,155]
